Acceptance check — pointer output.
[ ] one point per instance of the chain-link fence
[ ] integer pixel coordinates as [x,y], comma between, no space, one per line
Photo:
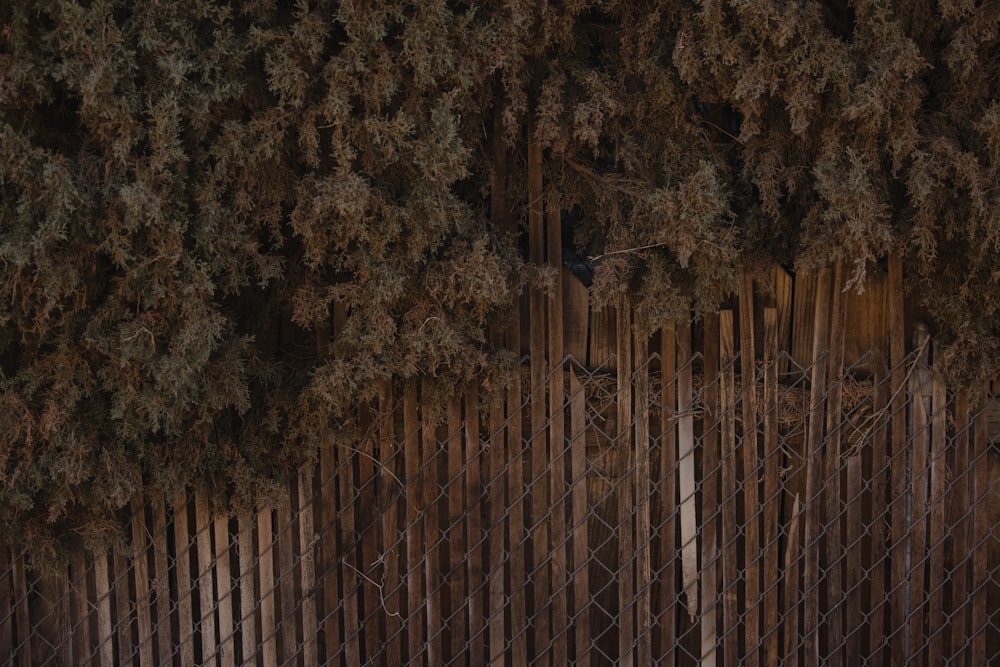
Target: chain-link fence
[659,509]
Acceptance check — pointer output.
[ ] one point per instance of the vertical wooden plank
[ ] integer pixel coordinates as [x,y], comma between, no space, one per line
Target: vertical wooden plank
[182,571]
[161,584]
[21,617]
[206,591]
[981,487]
[575,316]
[497,506]
[666,595]
[772,489]
[248,597]
[920,390]
[123,613]
[938,528]
[266,587]
[288,620]
[641,502]
[8,641]
[141,570]
[474,527]
[390,497]
[783,285]
[557,441]
[432,537]
[730,491]
[814,461]
[348,552]
[803,318]
[899,475]
[831,486]
[961,551]
[539,457]
[105,630]
[625,453]
[333,610]
[751,475]
[79,605]
[579,513]
[224,587]
[878,522]
[792,586]
[515,515]
[455,498]
[415,618]
[368,528]
[310,652]
[602,339]
[710,491]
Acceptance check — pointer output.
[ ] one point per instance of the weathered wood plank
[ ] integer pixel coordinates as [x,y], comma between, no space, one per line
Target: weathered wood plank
[390,497]
[961,551]
[812,519]
[642,499]
[286,539]
[937,529]
[123,611]
[306,549]
[161,582]
[474,527]
[415,613]
[920,398]
[557,441]
[981,488]
[706,614]
[432,537]
[880,514]
[333,610]
[625,454]
[516,536]
[782,285]
[803,320]
[792,588]
[207,601]
[730,491]
[666,478]
[182,572]
[141,570]
[367,526]
[266,586]
[832,463]
[248,597]
[224,587]
[455,536]
[575,316]
[751,475]
[79,607]
[497,504]
[105,629]
[899,476]
[579,514]
[772,489]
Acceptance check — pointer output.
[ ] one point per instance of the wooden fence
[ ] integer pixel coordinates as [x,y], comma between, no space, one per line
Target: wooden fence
[786,481]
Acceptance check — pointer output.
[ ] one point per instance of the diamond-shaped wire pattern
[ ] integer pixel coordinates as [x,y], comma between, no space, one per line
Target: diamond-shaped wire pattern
[681,514]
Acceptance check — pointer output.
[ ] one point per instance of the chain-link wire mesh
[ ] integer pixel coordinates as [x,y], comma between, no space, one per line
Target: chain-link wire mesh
[662,510]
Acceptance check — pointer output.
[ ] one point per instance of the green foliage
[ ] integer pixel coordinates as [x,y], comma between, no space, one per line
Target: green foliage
[190,190]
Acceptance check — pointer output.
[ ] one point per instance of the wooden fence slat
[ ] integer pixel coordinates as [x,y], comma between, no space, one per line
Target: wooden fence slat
[79,606]
[141,569]
[474,527]
[310,651]
[8,640]
[286,539]
[854,559]
[21,612]
[832,464]
[920,390]
[625,455]
[330,563]
[666,595]
[123,612]
[185,585]
[750,476]
[516,538]
[367,520]
[224,588]
[161,582]
[497,504]
[248,597]
[772,489]
[415,617]
[432,538]
[939,490]
[348,555]
[704,615]
[390,497]
[207,602]
[557,441]
[961,501]
[641,501]
[877,521]
[579,516]
[813,461]
[792,585]
[266,586]
[899,476]
[981,484]
[730,491]
[105,630]
[455,498]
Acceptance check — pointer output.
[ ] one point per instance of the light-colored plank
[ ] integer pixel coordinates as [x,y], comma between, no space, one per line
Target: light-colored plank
[432,538]
[579,515]
[706,614]
[105,630]
[750,476]
[792,588]
[772,489]
[730,491]
[347,552]
[961,551]
[371,618]
[207,601]
[140,566]
[938,530]
[666,479]
[185,585]
[625,453]
[877,522]
[286,539]
[310,652]
[641,503]
[474,527]
[248,596]
[803,320]
[981,489]
[782,285]
[161,582]
[897,630]
[266,586]
[124,611]
[516,535]
[920,398]
[329,575]
[79,608]
[812,518]
[224,589]
[575,316]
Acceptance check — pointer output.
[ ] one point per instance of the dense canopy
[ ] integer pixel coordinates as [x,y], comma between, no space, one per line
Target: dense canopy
[190,189]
